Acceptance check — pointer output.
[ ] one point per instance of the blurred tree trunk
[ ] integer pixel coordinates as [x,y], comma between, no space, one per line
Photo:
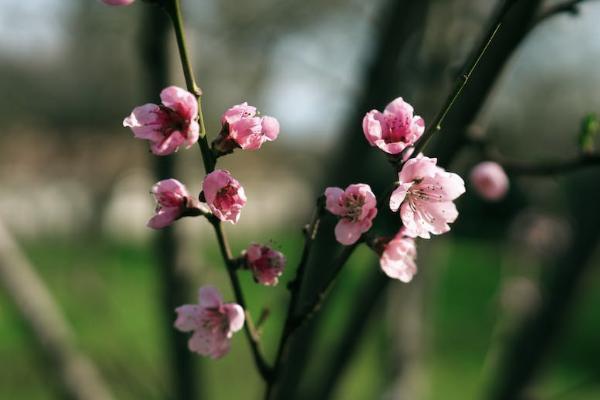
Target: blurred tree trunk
[75,374]
[523,356]
[175,279]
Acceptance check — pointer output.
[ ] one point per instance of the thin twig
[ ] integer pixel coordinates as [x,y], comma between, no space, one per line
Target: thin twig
[294,286]
[310,309]
[462,80]
[173,9]
[249,329]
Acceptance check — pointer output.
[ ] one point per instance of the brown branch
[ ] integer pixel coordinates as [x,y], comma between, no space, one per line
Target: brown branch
[76,373]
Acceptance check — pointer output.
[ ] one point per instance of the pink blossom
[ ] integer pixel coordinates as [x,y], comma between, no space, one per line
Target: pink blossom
[242,128]
[118,2]
[489,180]
[425,197]
[356,207]
[399,256]
[265,263]
[395,129]
[212,321]
[172,200]
[168,126]
[224,195]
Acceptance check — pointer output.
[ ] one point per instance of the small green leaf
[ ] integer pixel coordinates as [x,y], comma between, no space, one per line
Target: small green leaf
[590,126]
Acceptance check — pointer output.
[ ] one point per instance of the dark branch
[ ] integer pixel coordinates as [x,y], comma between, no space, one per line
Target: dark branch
[569,7]
[461,82]
[310,233]
[551,167]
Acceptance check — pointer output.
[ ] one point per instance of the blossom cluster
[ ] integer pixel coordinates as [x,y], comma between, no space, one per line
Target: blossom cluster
[424,193]
[423,196]
[169,127]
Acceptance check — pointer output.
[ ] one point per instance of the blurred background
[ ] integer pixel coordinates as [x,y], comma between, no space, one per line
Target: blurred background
[507,301]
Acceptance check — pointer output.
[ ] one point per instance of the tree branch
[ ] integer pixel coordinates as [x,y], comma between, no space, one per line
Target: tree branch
[463,79]
[295,287]
[249,328]
[173,9]
[551,167]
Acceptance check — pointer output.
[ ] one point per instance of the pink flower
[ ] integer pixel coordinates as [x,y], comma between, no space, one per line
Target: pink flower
[265,263]
[489,180]
[356,207]
[242,128]
[425,197]
[118,2]
[224,195]
[212,321]
[168,126]
[172,200]
[395,129]
[398,258]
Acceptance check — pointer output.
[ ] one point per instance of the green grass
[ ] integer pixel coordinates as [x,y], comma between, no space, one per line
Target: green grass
[110,295]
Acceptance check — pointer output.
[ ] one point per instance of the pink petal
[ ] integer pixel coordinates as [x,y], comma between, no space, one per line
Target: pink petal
[169,145]
[332,203]
[210,297]
[418,168]
[164,218]
[270,127]
[209,344]
[236,316]
[347,232]
[398,196]
[181,101]
[188,317]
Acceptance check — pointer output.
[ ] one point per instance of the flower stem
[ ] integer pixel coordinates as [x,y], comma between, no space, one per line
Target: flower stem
[173,9]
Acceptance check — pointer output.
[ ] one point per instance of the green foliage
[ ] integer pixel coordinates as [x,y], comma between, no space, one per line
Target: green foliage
[590,126]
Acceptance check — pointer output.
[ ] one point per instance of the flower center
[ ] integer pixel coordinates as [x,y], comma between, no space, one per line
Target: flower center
[226,197]
[353,205]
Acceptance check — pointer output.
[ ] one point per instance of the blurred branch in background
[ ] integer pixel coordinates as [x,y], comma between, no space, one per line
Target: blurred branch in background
[175,279]
[77,375]
[524,354]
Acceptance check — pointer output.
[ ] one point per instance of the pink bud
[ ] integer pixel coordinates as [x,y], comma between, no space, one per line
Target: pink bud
[425,196]
[118,2]
[224,195]
[168,126]
[242,128]
[398,258]
[395,129]
[356,207]
[265,263]
[172,200]
[489,180]
[212,322]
